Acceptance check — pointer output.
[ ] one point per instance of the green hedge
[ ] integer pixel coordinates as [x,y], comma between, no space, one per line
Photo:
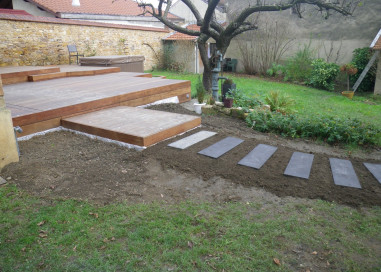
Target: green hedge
[332,130]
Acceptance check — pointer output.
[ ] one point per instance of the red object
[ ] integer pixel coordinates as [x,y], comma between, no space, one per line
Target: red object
[228,102]
[14,11]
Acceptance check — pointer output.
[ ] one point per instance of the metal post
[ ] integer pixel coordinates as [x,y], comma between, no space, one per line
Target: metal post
[215,75]
[17,130]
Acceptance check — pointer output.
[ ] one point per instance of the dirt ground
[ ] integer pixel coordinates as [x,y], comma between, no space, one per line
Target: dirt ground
[66,165]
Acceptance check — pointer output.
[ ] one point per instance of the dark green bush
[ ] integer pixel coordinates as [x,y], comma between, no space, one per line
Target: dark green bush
[244,101]
[332,130]
[323,74]
[361,57]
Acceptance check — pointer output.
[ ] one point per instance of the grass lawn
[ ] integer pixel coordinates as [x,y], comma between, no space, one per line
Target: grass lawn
[308,101]
[67,235]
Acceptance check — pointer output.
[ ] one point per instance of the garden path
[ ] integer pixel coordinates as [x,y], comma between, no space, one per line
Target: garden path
[299,165]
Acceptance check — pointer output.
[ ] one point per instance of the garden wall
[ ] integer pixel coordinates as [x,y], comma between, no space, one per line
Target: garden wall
[30,40]
[332,39]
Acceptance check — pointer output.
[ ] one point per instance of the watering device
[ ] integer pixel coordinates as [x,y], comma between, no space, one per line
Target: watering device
[216,74]
[17,130]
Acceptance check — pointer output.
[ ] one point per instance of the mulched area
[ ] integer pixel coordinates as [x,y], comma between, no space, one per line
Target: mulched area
[63,164]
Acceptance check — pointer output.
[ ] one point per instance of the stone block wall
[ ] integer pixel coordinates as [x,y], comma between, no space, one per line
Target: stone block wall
[44,42]
[8,148]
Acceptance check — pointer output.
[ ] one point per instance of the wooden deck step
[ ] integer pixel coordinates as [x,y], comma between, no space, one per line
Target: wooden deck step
[40,77]
[136,126]
[12,75]
[48,76]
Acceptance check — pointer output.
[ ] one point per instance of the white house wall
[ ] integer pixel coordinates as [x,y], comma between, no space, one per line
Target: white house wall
[30,8]
[181,10]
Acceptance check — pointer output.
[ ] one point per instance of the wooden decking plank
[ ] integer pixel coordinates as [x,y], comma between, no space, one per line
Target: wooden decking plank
[132,125]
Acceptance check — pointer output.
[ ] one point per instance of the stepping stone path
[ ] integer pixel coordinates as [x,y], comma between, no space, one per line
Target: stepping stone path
[375,169]
[343,173]
[192,139]
[258,156]
[218,149]
[299,165]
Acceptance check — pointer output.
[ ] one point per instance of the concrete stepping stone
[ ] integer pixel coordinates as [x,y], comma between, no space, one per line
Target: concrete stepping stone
[343,173]
[375,169]
[218,149]
[258,156]
[192,139]
[299,165]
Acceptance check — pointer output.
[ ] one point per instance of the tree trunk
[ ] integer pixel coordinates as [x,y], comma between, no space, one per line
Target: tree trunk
[207,62]
[207,75]
[207,80]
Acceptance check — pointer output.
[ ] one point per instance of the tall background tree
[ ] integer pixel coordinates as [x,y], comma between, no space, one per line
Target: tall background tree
[240,23]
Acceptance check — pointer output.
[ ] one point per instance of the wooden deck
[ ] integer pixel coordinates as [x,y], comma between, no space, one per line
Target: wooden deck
[136,126]
[37,106]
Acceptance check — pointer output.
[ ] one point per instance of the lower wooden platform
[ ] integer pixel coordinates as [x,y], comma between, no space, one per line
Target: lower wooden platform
[37,106]
[136,126]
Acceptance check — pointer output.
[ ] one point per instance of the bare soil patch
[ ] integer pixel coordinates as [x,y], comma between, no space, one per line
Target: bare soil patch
[64,164]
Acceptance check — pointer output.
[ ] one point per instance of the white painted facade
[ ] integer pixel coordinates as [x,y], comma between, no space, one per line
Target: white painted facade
[30,8]
[145,21]
[181,10]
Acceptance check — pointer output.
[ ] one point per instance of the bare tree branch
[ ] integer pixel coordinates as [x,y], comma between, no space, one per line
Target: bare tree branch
[210,28]
[195,12]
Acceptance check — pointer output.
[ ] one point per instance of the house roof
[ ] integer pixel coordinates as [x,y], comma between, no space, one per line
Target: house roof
[14,11]
[376,44]
[177,36]
[99,7]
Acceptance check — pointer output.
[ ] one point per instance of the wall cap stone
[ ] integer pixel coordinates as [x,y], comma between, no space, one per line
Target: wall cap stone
[38,19]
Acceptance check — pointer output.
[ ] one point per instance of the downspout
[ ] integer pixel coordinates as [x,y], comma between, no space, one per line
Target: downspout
[196,58]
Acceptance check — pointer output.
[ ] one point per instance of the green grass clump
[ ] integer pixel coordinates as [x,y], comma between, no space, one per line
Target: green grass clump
[309,104]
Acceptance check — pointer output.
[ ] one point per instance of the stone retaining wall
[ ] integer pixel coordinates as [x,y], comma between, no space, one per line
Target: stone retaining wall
[8,148]
[38,41]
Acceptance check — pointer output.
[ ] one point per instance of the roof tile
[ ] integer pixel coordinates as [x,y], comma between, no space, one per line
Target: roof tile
[177,36]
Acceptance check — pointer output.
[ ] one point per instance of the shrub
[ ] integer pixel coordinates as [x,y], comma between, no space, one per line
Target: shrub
[361,57]
[330,129]
[200,91]
[244,101]
[323,74]
[260,48]
[279,102]
[276,70]
[298,68]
